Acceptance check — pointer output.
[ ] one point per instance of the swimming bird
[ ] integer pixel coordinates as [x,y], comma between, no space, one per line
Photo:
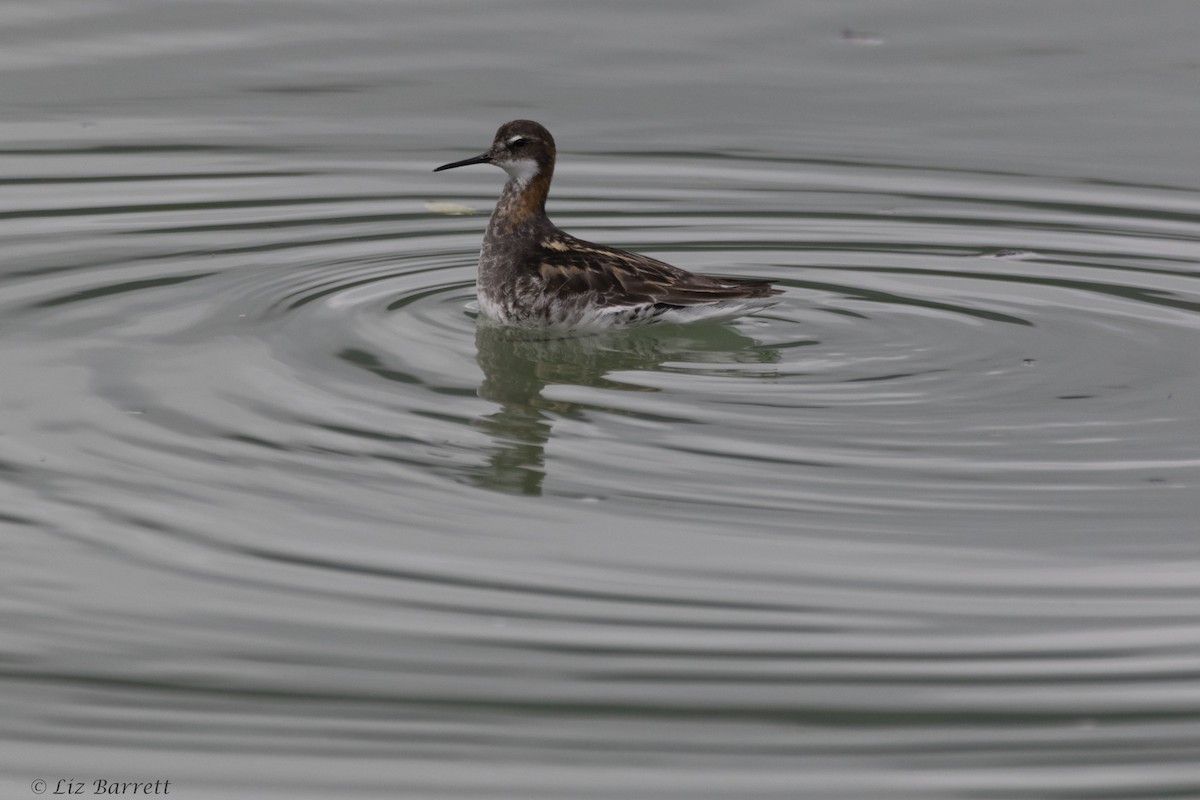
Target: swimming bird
[534,274]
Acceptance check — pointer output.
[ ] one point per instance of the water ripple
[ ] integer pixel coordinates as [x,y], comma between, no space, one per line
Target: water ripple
[362,510]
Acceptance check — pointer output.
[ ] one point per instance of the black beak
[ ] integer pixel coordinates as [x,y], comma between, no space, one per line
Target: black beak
[482,158]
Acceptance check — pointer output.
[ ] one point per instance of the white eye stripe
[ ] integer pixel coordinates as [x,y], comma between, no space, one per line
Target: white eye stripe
[515,139]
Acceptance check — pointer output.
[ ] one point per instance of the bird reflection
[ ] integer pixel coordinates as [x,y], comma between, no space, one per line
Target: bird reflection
[519,364]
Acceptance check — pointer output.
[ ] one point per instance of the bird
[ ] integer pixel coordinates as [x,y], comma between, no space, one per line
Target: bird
[533,274]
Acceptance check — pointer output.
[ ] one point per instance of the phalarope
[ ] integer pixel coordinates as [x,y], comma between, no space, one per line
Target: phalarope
[533,274]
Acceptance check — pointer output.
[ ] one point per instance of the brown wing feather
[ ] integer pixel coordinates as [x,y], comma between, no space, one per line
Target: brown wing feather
[618,277]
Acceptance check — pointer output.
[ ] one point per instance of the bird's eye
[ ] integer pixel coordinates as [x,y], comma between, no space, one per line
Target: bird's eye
[518,142]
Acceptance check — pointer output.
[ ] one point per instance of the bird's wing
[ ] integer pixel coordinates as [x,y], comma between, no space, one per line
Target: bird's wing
[616,277]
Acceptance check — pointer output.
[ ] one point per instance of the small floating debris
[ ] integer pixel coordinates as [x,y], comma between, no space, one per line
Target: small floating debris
[851,36]
[449,209]
[1011,255]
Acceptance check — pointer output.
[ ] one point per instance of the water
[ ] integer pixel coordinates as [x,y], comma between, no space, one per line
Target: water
[280,519]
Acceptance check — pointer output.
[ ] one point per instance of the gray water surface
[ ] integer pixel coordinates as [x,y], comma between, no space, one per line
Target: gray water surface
[280,518]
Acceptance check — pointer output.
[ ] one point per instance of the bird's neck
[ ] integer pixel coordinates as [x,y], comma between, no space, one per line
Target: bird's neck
[522,203]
